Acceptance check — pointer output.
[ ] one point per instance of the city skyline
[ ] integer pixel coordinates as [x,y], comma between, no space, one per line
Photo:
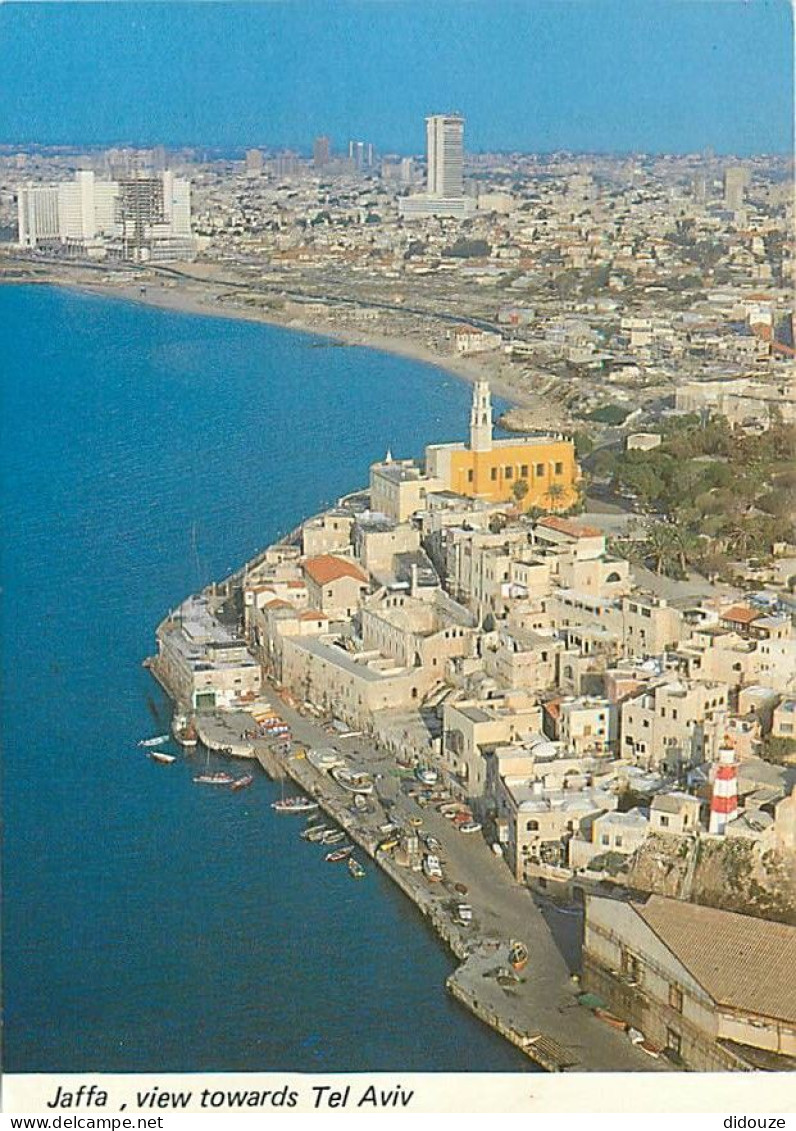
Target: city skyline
[656,78]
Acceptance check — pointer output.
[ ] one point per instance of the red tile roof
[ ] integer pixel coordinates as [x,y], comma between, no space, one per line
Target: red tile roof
[565,526]
[327,568]
[740,614]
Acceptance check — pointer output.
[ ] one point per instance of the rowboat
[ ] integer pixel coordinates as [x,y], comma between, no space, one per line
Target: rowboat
[339,854]
[159,756]
[294,805]
[333,836]
[355,868]
[161,738]
[317,834]
[220,778]
[242,783]
[518,955]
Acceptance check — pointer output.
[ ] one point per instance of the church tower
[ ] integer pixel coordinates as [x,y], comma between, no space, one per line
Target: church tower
[481,418]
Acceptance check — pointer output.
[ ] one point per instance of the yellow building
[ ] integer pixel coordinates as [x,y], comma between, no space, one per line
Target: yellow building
[491,469]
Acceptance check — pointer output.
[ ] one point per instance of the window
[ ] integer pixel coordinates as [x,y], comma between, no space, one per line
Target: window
[524,471]
[532,826]
[470,476]
[493,474]
[540,469]
[604,839]
[674,1042]
[559,469]
[509,472]
[619,842]
[664,822]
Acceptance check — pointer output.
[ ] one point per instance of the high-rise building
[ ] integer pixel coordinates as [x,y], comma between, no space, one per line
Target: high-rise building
[254,162]
[445,147]
[736,179]
[321,152]
[361,154]
[444,194]
[138,217]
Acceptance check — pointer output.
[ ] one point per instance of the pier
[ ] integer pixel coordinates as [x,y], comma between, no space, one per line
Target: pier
[536,1009]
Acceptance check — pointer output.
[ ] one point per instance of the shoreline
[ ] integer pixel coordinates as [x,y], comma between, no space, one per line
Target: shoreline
[191,297]
[539,1013]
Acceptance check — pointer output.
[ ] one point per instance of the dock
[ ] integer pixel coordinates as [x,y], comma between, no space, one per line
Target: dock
[537,1009]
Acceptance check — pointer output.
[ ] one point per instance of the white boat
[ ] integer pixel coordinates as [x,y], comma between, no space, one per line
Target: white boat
[294,805]
[159,756]
[355,781]
[426,775]
[161,738]
[219,778]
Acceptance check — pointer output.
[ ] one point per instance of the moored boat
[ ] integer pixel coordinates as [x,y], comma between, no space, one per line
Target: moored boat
[518,955]
[333,836]
[294,805]
[159,756]
[339,854]
[317,834]
[219,778]
[243,782]
[355,868]
[158,741]
[185,732]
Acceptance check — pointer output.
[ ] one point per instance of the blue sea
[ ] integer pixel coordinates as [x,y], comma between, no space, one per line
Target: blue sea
[150,925]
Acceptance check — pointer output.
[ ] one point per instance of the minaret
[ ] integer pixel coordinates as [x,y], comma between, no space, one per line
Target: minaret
[724,800]
[481,418]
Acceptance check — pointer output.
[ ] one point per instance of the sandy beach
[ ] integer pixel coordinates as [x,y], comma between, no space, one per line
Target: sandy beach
[215,298]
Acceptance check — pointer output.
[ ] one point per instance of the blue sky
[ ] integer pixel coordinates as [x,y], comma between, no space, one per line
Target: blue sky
[532,75]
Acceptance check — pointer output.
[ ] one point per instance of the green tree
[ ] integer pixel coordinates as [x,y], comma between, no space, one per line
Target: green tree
[520,489]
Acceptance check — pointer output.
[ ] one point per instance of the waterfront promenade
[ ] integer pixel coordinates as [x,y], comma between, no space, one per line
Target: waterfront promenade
[536,1010]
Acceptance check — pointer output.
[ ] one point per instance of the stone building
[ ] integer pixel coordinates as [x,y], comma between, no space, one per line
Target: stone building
[713,988]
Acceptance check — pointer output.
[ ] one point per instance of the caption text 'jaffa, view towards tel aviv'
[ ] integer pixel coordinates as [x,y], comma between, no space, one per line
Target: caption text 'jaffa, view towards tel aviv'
[543,676]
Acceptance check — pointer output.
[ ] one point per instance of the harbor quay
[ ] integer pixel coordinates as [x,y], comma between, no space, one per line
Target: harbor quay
[536,1010]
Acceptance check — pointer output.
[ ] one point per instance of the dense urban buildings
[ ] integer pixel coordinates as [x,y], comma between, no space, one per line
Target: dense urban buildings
[580,616]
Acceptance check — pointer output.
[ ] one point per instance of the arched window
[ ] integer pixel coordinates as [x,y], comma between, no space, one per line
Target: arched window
[613,576]
[532,827]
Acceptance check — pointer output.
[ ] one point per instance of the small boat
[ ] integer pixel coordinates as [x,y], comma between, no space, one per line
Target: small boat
[220,778]
[161,738]
[470,827]
[354,781]
[426,775]
[333,836]
[355,868]
[185,732]
[294,805]
[518,955]
[339,854]
[317,834]
[159,756]
[242,783]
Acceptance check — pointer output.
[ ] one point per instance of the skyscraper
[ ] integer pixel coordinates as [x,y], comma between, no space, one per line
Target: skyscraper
[321,152]
[736,178]
[254,162]
[445,145]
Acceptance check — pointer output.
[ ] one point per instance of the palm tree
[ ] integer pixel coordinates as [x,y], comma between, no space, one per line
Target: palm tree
[662,546]
[555,492]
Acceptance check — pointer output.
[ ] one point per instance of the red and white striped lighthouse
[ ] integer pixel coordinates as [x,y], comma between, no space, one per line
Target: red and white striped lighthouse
[724,799]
